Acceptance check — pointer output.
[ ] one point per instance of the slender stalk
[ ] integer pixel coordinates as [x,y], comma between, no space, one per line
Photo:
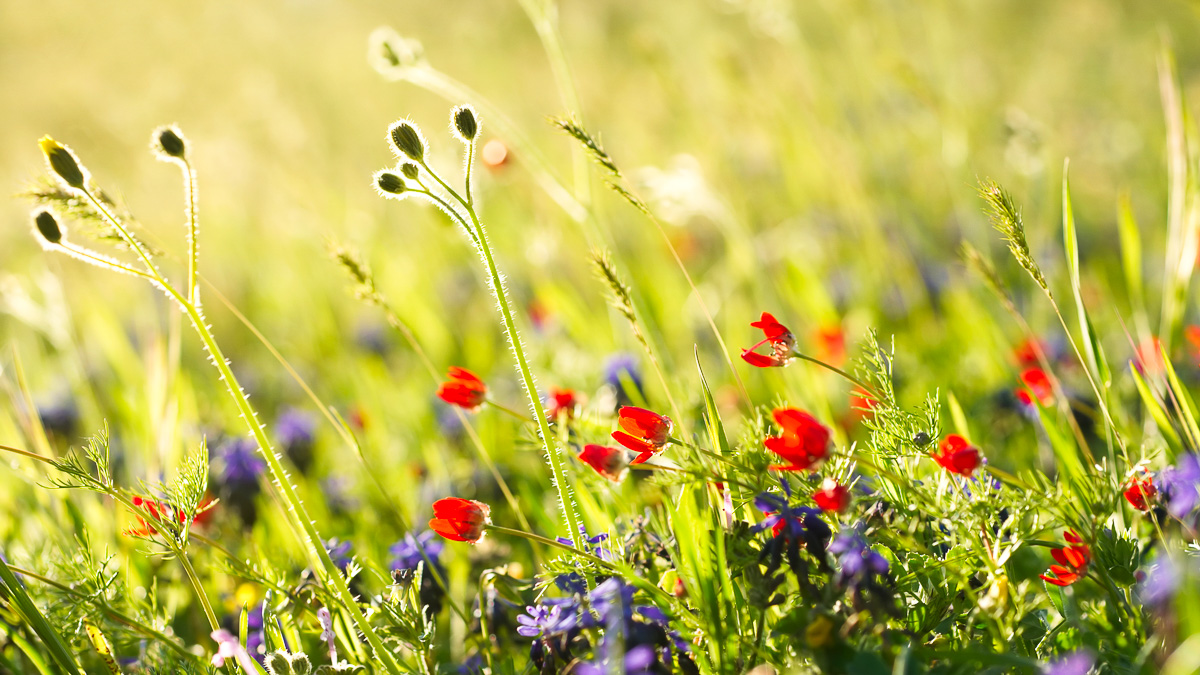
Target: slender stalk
[310,538]
[565,497]
[193,231]
[199,588]
[510,411]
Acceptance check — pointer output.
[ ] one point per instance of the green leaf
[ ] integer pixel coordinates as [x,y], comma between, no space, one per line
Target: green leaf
[24,604]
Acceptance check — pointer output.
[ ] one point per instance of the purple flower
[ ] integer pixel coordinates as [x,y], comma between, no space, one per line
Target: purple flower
[1075,663]
[240,464]
[340,552]
[591,544]
[637,661]
[1181,485]
[296,432]
[548,619]
[859,564]
[618,369]
[406,553]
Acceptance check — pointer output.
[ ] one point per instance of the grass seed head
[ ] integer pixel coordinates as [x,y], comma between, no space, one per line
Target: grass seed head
[169,144]
[465,123]
[407,139]
[47,226]
[63,163]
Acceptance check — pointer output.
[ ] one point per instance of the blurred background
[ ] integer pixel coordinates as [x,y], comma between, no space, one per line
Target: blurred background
[815,159]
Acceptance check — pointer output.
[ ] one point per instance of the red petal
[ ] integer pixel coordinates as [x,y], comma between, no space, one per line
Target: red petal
[760,360]
[633,443]
[465,376]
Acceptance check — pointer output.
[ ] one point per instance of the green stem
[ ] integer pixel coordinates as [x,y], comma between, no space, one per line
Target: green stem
[199,588]
[510,411]
[193,231]
[299,515]
[565,497]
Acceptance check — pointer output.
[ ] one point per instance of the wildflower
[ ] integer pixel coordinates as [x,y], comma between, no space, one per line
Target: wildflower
[862,404]
[1026,352]
[832,498]
[561,402]
[1149,359]
[238,468]
[169,144]
[780,338]
[340,552]
[547,620]
[1075,663]
[1160,582]
[1179,485]
[464,123]
[1192,333]
[643,431]
[804,443]
[831,344]
[460,519]
[1141,493]
[1072,561]
[593,545]
[621,371]
[957,455]
[228,647]
[612,463]
[463,389]
[407,140]
[790,527]
[858,563]
[639,660]
[47,226]
[296,432]
[1037,388]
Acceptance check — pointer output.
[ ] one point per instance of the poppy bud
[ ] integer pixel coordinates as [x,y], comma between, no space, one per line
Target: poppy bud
[410,170]
[466,124]
[460,519]
[389,183]
[407,140]
[47,226]
[168,144]
[63,162]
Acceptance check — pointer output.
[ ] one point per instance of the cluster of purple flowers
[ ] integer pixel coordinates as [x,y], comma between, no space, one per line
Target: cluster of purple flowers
[238,468]
[413,551]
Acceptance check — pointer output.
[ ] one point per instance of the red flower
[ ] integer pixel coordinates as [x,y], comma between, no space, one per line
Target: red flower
[608,462]
[1150,357]
[460,519]
[781,339]
[1192,333]
[1026,353]
[957,455]
[563,401]
[159,512]
[804,443]
[862,404]
[1037,386]
[1141,493]
[463,389]
[1072,561]
[643,431]
[832,498]
[831,344]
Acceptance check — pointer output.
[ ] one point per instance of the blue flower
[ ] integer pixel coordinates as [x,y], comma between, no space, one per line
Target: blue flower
[1181,485]
[859,564]
[1075,663]
[296,432]
[637,661]
[406,553]
[340,552]
[240,464]
[552,617]
[618,369]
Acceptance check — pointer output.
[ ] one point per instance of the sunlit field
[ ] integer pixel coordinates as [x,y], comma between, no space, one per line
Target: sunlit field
[512,337]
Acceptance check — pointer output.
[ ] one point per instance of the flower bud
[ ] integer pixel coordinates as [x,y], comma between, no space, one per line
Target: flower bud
[410,170]
[465,123]
[63,162]
[168,144]
[407,140]
[389,183]
[47,226]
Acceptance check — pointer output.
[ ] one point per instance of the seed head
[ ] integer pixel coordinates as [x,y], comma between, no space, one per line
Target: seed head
[410,170]
[407,139]
[47,226]
[168,144]
[389,184]
[465,123]
[63,163]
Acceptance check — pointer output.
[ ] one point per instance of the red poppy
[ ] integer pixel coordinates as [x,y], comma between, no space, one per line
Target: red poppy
[643,431]
[957,455]
[159,512]
[1192,333]
[1141,493]
[1150,357]
[831,344]
[1072,561]
[463,389]
[460,519]
[832,498]
[608,462]
[1037,386]
[780,338]
[804,443]
[1026,352]
[862,403]
[561,401]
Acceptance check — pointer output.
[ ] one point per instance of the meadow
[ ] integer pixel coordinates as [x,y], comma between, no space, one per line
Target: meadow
[724,336]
